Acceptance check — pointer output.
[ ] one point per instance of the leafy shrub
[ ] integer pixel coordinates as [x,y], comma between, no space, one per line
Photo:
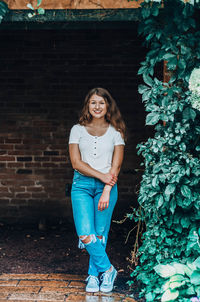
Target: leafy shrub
[169,197]
[3,10]
[183,280]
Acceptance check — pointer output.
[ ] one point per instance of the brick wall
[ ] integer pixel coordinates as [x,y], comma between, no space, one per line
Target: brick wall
[44,77]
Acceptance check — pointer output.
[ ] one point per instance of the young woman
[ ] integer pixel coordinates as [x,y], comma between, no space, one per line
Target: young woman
[96,148]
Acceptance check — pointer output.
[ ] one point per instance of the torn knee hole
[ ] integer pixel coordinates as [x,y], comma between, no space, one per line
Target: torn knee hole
[87,238]
[100,237]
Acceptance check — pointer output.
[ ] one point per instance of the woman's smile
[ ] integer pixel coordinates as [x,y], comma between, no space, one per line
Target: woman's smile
[97,106]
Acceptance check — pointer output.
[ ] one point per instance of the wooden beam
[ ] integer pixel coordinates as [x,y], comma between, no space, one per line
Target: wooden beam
[75,4]
[70,16]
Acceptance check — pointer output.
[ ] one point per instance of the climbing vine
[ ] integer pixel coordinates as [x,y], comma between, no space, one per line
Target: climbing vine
[3,10]
[169,197]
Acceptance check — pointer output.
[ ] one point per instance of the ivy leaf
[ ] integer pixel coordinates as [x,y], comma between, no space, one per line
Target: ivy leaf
[174,285]
[197,262]
[145,12]
[185,190]
[41,11]
[185,222]
[172,205]
[170,189]
[160,200]
[170,295]
[180,270]
[155,181]
[152,118]
[165,271]
[147,79]
[190,291]
[155,10]
[150,297]
[189,113]
[177,278]
[195,278]
[146,95]
[172,63]
[29,5]
[169,56]
[197,289]
[142,88]
[31,15]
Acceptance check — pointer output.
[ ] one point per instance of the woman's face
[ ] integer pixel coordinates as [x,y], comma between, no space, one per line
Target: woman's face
[97,106]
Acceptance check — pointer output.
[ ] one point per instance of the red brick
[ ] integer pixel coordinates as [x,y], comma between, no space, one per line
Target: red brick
[6,195]
[17,189]
[34,189]
[23,195]
[6,147]
[3,189]
[33,165]
[39,195]
[7,158]
[13,141]
[15,165]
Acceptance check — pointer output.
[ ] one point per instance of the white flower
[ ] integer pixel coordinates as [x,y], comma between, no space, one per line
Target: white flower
[194,87]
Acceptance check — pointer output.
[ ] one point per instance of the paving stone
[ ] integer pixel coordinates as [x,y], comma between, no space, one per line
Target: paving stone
[29,300]
[110,294]
[37,297]
[3,296]
[8,282]
[73,297]
[92,298]
[47,283]
[52,288]
[129,299]
[66,277]
[13,289]
[77,284]
[62,290]
[23,276]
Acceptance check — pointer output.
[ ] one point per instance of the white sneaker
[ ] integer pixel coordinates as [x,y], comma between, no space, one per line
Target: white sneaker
[92,285]
[108,279]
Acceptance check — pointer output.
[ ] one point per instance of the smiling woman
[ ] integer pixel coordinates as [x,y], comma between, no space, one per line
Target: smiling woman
[96,147]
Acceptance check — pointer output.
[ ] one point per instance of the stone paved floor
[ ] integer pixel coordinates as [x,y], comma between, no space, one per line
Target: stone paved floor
[52,288]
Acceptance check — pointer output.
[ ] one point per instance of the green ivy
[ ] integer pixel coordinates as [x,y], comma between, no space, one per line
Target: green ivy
[169,196]
[3,10]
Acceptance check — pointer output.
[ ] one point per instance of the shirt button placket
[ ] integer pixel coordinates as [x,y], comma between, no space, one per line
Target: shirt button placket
[95,145]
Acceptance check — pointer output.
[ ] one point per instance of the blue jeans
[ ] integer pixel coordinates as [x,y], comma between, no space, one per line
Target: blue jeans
[85,195]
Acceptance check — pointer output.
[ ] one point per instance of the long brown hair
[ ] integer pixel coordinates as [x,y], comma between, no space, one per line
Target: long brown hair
[113,115]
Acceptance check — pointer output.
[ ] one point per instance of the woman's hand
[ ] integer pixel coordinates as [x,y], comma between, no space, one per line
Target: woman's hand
[104,200]
[109,179]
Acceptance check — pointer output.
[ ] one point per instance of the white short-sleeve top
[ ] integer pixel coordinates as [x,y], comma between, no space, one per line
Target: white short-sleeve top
[97,151]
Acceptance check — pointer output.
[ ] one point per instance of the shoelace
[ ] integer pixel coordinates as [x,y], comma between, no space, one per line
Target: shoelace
[105,278]
[92,279]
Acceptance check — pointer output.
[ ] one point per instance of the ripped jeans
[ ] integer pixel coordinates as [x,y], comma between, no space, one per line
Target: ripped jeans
[85,195]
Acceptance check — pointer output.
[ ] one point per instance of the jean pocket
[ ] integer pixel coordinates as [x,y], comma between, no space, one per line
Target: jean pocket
[76,177]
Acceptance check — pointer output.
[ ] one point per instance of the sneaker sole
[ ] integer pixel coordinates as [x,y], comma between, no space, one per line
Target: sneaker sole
[109,290]
[91,290]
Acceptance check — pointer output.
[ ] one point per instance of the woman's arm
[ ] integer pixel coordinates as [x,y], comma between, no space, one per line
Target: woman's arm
[86,169]
[117,160]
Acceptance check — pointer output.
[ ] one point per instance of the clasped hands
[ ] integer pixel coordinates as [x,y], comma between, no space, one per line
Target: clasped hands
[110,180]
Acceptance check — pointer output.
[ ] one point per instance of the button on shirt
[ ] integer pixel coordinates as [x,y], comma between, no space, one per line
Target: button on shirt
[97,151]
